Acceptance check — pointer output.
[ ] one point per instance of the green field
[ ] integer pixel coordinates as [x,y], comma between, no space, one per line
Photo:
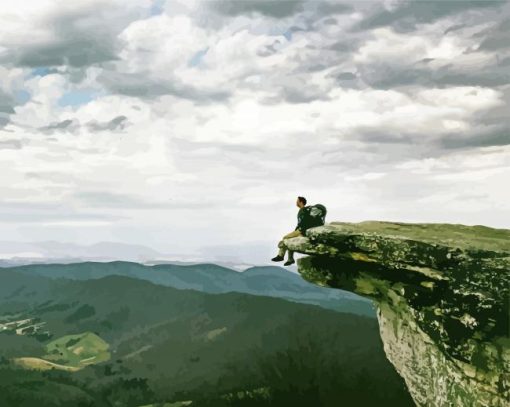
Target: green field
[78,350]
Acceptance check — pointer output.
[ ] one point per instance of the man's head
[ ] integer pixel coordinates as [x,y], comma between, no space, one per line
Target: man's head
[301,201]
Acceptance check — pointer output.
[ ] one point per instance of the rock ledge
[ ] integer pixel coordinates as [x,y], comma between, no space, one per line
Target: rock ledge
[442,293]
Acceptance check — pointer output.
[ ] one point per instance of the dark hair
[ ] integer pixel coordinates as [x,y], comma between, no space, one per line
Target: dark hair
[302,199]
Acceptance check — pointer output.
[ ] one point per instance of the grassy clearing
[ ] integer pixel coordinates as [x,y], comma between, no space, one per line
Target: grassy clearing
[78,350]
[69,353]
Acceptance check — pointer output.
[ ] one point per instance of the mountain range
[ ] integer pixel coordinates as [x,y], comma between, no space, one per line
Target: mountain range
[114,340]
[211,278]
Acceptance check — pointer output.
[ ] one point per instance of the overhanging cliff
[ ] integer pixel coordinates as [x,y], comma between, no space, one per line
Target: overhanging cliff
[442,293]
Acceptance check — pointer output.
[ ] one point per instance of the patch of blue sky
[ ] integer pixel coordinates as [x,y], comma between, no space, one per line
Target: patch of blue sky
[288,34]
[22,96]
[157,7]
[278,31]
[76,98]
[196,59]
[42,71]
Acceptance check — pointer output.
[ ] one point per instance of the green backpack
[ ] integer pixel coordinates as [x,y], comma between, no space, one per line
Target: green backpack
[316,215]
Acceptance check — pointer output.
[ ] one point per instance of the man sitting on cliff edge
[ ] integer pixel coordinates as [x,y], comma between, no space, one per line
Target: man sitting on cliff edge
[299,231]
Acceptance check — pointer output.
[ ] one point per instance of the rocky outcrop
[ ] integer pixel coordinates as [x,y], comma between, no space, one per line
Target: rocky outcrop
[442,294]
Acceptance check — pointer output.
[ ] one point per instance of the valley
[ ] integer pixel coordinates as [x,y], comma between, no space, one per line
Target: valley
[123,341]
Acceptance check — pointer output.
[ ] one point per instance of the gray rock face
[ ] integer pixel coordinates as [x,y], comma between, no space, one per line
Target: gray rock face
[442,293]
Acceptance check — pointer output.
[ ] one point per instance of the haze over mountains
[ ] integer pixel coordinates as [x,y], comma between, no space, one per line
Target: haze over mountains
[19,253]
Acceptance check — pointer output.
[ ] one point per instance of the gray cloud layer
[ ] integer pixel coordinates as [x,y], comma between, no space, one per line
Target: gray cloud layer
[192,120]
[271,8]
[79,36]
[408,14]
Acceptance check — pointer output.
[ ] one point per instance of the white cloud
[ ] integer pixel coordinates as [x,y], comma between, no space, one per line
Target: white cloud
[161,44]
[204,126]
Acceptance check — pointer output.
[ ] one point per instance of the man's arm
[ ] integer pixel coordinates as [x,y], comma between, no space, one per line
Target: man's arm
[301,221]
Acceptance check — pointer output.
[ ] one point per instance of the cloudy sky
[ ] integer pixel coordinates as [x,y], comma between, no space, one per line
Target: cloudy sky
[191,127]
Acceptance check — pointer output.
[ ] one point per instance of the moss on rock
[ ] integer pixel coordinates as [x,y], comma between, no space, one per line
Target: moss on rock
[442,288]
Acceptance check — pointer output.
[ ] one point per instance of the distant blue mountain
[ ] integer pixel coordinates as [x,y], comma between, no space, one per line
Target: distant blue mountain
[211,278]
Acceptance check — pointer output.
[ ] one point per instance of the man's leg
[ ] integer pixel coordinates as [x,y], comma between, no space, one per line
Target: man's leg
[281,252]
[283,248]
[294,233]
[290,256]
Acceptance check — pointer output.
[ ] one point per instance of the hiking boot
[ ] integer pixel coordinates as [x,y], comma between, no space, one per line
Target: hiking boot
[289,262]
[277,258]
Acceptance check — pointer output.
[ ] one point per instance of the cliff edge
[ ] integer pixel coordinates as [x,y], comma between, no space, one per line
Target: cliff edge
[442,296]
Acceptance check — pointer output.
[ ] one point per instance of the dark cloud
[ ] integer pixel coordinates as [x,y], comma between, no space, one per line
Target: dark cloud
[486,128]
[294,90]
[388,76]
[498,135]
[142,86]
[489,77]
[64,125]
[305,95]
[7,103]
[384,136]
[327,8]
[496,38]
[81,36]
[296,29]
[346,80]
[269,49]
[117,123]
[4,120]
[489,128]
[317,14]
[315,67]
[504,62]
[454,28]
[408,14]
[138,85]
[345,76]
[269,8]
[497,115]
[342,46]
[77,52]
[72,125]
[330,21]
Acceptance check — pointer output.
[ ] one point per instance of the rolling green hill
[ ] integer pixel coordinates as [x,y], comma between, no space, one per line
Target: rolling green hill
[167,344]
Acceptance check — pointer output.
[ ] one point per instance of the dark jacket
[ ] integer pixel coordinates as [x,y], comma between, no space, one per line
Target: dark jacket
[302,220]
